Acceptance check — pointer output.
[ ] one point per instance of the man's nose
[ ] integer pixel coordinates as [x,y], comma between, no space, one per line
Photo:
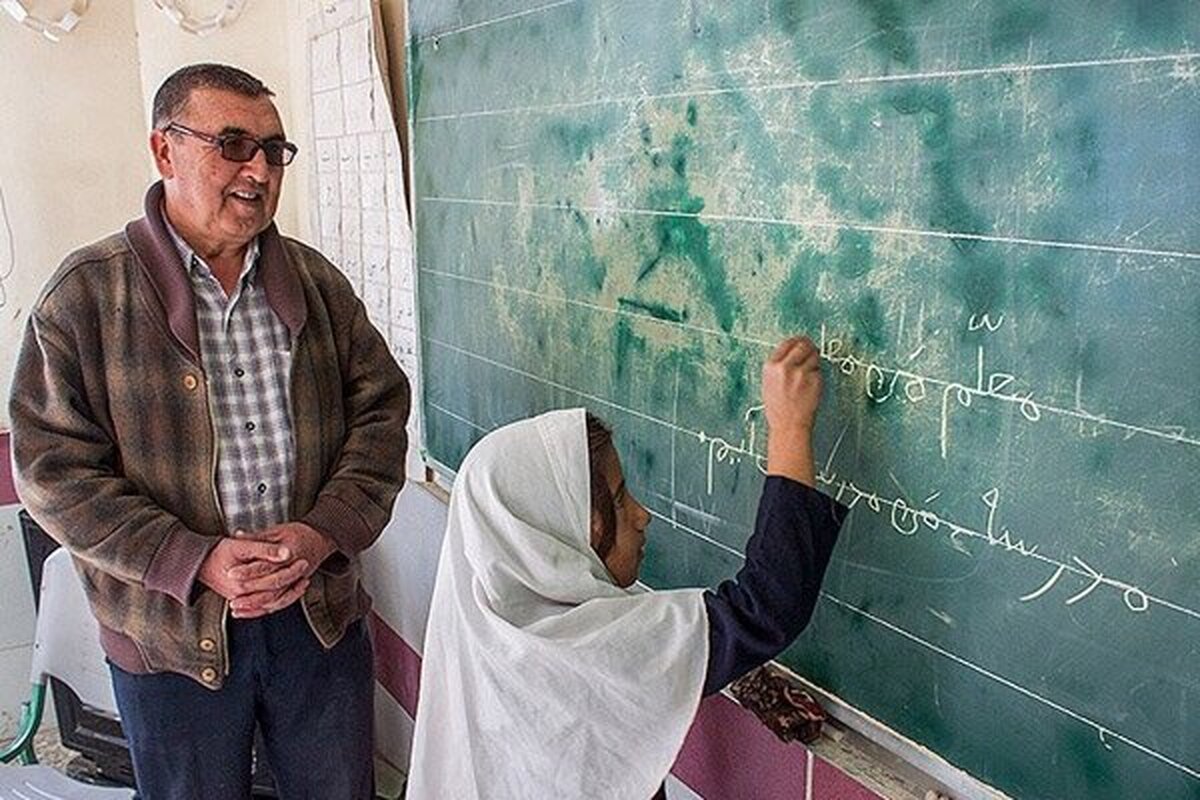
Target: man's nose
[257,167]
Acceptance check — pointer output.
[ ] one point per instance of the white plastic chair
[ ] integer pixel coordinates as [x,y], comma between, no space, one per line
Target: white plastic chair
[66,646]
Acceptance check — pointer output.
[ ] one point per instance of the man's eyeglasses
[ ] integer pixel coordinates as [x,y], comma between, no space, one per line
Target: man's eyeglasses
[240,147]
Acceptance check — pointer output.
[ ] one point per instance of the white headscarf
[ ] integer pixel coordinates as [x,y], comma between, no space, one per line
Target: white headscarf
[542,678]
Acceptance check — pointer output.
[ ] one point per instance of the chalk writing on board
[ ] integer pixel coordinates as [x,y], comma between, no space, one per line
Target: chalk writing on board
[882,383]
[985,322]
[909,519]
[1135,599]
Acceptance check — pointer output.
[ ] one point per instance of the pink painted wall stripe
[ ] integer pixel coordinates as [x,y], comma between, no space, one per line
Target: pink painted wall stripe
[830,783]
[397,666]
[728,754]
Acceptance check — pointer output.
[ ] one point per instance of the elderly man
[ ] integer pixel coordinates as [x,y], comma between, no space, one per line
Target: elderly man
[203,415]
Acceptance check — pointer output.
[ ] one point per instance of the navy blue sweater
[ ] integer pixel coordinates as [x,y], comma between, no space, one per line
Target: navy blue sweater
[755,616]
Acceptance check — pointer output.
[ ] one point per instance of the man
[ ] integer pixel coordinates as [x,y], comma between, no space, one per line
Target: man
[203,415]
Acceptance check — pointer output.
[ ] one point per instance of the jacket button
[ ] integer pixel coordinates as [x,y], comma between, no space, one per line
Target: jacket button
[208,675]
[190,382]
[208,645]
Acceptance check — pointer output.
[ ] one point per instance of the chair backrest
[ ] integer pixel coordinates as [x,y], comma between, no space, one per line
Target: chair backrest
[66,644]
[38,782]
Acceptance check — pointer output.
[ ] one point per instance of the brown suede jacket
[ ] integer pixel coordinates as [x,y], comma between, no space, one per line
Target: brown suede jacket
[115,451]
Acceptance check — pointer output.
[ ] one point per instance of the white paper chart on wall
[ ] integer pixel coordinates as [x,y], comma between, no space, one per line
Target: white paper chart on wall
[361,215]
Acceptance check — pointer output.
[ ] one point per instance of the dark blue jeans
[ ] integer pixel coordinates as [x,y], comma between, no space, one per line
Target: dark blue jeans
[314,707]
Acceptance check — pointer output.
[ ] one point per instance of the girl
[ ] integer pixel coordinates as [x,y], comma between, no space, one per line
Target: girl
[544,675]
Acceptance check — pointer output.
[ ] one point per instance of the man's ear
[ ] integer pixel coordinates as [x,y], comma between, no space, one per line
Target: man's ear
[160,149]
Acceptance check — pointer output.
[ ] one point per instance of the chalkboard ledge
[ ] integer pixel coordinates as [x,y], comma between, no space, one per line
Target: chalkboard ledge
[868,751]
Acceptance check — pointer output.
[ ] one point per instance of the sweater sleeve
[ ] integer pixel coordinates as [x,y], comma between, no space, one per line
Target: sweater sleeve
[755,616]
[356,501]
[69,476]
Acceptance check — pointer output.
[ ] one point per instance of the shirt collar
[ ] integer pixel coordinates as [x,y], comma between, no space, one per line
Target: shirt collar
[194,264]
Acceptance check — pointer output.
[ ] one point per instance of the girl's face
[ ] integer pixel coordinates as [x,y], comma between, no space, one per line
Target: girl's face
[624,560]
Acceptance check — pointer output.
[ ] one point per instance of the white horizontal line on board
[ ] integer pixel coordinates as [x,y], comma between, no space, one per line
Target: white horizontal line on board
[782,86]
[494,21]
[1102,730]
[823,223]
[1081,416]
[956,528]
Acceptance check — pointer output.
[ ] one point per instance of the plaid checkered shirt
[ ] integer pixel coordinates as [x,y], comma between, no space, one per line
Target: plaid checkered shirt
[246,353]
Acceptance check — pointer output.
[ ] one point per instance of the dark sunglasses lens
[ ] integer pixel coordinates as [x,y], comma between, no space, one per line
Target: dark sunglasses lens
[240,148]
[279,154]
[244,148]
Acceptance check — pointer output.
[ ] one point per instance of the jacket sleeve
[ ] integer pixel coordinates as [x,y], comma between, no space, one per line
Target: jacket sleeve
[355,503]
[69,477]
[755,616]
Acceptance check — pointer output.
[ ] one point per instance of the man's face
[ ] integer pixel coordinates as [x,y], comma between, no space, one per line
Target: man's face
[624,561]
[215,203]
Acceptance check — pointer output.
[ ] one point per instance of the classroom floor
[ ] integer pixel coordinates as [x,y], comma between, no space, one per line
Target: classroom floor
[50,750]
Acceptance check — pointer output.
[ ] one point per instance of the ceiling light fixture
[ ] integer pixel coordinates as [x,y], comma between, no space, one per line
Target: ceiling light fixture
[200,24]
[52,29]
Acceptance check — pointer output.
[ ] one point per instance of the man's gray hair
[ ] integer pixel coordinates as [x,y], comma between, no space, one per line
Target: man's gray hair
[172,96]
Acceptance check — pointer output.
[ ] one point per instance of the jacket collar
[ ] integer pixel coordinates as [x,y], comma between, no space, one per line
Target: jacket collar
[161,263]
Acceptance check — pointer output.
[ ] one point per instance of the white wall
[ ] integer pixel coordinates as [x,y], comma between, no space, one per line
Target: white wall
[71,143]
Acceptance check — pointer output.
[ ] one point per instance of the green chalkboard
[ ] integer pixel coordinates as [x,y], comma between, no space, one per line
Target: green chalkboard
[987,213]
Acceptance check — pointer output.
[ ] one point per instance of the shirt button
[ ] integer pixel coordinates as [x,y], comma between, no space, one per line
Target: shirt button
[208,645]
[262,488]
[249,426]
[190,382]
[208,675]
[239,372]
